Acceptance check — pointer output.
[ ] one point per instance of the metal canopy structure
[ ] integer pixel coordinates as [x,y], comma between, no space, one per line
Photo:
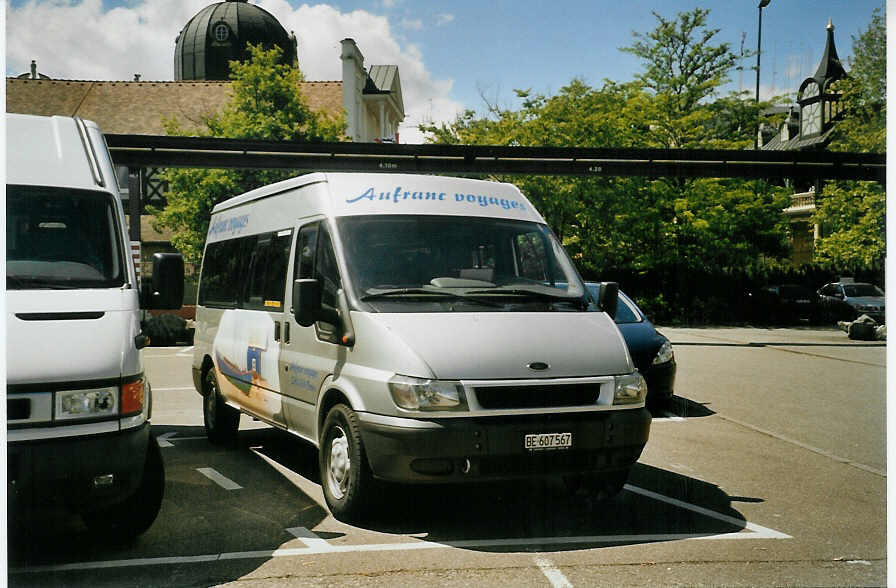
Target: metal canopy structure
[201,152]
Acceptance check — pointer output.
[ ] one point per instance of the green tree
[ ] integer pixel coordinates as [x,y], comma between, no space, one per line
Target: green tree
[632,223]
[266,104]
[853,214]
[684,68]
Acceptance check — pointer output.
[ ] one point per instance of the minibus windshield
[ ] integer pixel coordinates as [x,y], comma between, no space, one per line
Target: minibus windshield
[397,262]
[61,238]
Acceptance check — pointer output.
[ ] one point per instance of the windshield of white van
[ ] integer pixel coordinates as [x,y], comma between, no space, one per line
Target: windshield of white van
[61,238]
[399,262]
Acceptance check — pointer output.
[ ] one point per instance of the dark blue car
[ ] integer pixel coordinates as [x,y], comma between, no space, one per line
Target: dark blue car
[650,350]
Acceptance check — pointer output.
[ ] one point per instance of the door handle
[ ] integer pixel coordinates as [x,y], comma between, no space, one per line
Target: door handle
[276,331]
[286,332]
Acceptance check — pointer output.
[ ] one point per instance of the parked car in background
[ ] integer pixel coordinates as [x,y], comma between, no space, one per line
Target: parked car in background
[651,351]
[784,304]
[846,300]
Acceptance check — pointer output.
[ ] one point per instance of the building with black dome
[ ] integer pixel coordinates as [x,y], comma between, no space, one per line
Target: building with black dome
[221,33]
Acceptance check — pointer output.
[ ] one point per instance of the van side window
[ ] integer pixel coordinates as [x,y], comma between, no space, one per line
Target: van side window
[220,267]
[248,272]
[254,295]
[305,249]
[278,262]
[327,271]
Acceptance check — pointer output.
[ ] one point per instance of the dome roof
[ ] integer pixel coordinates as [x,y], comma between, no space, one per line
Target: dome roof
[219,33]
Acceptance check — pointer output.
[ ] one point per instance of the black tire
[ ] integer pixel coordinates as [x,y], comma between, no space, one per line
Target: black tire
[599,487]
[344,472]
[136,513]
[221,421]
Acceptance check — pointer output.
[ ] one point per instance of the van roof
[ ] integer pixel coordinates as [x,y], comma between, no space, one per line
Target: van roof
[391,193]
[51,151]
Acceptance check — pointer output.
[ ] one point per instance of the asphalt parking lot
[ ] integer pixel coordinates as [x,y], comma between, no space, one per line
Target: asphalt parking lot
[769,468]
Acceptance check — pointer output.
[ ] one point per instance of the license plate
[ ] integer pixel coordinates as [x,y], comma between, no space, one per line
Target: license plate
[542,441]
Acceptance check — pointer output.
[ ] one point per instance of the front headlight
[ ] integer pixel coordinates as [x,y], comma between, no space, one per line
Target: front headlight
[86,404]
[427,395]
[665,354]
[630,389]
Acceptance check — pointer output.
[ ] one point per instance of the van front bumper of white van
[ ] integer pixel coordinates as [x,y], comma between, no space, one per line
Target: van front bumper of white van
[76,472]
[494,447]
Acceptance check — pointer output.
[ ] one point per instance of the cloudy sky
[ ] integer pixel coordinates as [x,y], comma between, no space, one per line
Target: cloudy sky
[451,55]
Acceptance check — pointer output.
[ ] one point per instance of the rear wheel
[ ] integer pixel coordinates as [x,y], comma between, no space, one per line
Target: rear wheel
[136,513]
[344,471]
[221,421]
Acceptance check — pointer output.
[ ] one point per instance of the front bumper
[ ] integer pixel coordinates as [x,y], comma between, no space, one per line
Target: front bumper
[492,448]
[63,470]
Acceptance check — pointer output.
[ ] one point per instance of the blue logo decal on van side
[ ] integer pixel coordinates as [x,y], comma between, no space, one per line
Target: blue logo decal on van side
[398,195]
[229,225]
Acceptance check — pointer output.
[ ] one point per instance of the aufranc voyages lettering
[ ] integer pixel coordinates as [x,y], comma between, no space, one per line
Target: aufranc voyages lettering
[398,196]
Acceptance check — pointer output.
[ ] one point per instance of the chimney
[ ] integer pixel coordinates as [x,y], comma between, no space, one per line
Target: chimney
[136,77]
[33,69]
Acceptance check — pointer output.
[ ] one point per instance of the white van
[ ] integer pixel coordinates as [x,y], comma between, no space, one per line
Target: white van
[77,402]
[415,329]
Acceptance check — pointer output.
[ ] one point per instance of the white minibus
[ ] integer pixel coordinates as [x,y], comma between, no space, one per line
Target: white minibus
[415,329]
[77,400]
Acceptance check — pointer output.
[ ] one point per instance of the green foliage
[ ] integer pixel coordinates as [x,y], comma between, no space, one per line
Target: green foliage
[613,222]
[266,104]
[853,214]
[864,125]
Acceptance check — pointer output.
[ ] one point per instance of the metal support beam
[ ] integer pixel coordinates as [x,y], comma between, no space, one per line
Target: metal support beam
[163,151]
[135,202]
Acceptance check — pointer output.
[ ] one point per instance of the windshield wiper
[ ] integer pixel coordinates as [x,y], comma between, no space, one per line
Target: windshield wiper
[427,292]
[537,294]
[37,283]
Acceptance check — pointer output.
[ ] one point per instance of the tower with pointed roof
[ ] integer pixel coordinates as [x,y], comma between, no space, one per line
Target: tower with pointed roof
[818,95]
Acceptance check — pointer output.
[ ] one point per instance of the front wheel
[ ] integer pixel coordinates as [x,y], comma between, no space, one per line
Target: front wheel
[344,471]
[221,421]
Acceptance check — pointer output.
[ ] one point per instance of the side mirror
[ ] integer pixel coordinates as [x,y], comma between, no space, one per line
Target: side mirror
[166,290]
[306,304]
[609,298]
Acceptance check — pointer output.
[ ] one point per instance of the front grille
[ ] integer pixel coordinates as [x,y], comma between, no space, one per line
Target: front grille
[537,396]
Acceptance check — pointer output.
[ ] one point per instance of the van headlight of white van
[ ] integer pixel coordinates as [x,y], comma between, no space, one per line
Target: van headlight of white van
[87,404]
[630,389]
[427,395]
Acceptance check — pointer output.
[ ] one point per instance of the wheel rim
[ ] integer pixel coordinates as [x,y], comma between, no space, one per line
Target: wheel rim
[338,464]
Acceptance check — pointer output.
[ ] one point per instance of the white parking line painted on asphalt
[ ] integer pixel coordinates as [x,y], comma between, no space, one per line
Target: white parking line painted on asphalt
[554,576]
[668,417]
[219,479]
[163,441]
[764,532]
[310,539]
[749,531]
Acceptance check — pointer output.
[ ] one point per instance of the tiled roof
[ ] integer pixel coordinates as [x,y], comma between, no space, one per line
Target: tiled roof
[776,144]
[139,108]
